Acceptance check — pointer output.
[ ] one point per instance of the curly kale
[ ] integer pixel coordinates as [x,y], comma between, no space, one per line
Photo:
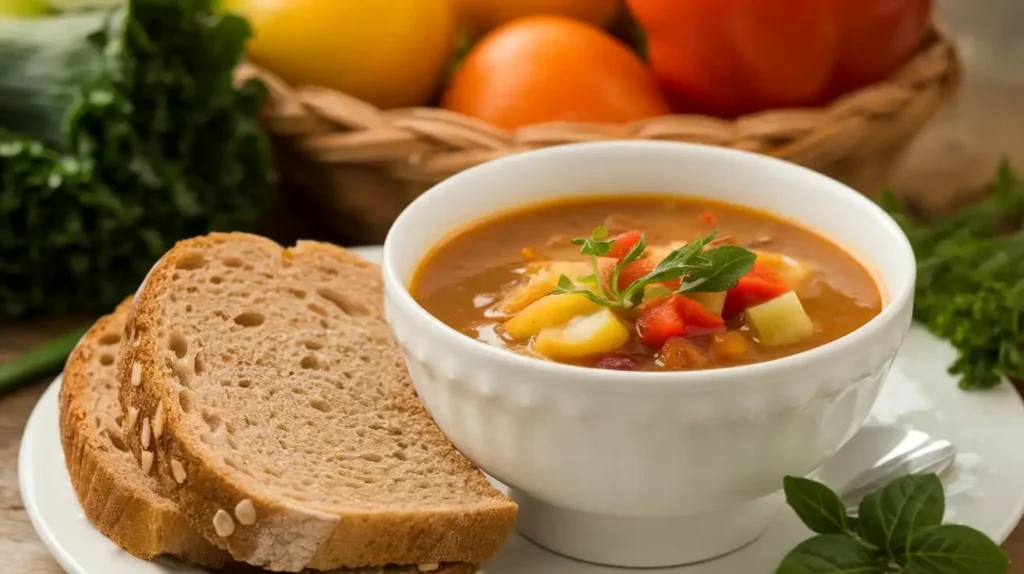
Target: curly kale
[970,285]
[158,145]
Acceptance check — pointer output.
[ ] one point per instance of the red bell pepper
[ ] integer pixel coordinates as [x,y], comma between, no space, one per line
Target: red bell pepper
[623,243]
[698,320]
[675,316]
[731,57]
[760,284]
[660,321]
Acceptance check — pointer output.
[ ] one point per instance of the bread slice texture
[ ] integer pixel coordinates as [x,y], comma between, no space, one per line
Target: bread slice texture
[279,414]
[118,499]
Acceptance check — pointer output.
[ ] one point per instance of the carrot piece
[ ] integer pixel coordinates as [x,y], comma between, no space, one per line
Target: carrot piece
[708,218]
[679,354]
[624,242]
[729,346]
[698,320]
[660,322]
[760,284]
[633,271]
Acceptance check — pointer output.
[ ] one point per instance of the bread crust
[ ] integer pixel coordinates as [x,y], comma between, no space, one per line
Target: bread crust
[138,520]
[288,535]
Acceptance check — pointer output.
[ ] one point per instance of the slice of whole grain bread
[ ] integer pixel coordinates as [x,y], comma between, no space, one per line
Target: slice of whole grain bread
[275,408]
[119,500]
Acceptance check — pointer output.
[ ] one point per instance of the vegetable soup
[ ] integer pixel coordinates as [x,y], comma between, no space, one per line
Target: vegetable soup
[645,283]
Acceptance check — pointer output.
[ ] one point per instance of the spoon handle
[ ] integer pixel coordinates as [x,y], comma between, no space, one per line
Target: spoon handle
[935,457]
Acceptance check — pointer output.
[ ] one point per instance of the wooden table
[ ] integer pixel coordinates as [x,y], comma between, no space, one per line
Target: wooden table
[951,160]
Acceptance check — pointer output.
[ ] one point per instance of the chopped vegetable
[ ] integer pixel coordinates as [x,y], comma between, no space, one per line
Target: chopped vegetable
[660,322]
[780,321]
[700,270]
[159,145]
[970,281]
[585,336]
[714,302]
[759,285]
[623,243]
[708,218]
[543,280]
[698,320]
[730,346]
[792,272]
[680,354]
[548,311]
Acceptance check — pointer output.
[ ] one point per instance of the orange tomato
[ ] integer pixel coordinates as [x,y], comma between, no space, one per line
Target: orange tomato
[551,68]
[481,16]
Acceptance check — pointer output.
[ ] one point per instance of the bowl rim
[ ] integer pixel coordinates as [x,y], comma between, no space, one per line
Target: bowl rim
[901,295]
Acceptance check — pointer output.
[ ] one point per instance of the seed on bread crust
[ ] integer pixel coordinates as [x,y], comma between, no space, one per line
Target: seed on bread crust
[245,512]
[136,374]
[178,471]
[223,524]
[158,420]
[147,462]
[145,434]
[133,417]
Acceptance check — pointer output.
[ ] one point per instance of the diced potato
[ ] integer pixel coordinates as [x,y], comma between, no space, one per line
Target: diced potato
[549,311]
[543,280]
[795,274]
[781,321]
[600,332]
[713,302]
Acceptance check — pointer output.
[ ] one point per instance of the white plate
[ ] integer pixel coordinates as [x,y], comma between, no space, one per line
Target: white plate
[984,490]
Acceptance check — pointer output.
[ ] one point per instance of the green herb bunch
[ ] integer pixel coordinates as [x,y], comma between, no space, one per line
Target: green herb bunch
[158,145]
[898,530]
[701,270]
[970,281]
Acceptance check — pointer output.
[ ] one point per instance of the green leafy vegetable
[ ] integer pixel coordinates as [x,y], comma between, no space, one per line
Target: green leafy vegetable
[816,505]
[158,145]
[970,284]
[899,531]
[703,270]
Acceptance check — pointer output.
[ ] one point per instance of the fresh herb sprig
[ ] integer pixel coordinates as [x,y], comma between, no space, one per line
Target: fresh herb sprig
[970,280]
[700,269]
[898,530]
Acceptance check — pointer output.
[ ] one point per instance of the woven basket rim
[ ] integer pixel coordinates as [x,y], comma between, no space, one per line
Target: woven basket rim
[427,144]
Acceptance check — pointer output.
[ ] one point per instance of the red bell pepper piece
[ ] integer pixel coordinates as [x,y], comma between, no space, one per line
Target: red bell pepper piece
[698,320]
[623,243]
[659,322]
[760,284]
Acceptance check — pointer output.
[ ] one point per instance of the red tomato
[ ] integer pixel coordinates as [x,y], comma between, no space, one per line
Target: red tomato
[760,284]
[729,58]
[624,242]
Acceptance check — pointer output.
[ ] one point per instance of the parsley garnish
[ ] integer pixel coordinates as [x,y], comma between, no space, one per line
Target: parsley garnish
[699,268]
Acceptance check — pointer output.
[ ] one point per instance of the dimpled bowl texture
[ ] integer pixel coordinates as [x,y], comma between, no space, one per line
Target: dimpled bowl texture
[647,469]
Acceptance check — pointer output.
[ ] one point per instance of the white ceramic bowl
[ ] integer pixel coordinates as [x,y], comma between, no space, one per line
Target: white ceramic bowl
[647,469]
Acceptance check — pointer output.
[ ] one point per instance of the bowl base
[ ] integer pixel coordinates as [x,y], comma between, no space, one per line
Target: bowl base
[643,542]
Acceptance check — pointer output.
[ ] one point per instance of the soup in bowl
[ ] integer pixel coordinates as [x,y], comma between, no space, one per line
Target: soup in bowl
[642,339]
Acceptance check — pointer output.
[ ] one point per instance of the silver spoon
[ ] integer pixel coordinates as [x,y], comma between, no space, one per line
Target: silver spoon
[915,452]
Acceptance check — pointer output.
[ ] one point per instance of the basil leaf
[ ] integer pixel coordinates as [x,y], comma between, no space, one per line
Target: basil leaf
[831,554]
[890,517]
[952,549]
[726,265]
[817,506]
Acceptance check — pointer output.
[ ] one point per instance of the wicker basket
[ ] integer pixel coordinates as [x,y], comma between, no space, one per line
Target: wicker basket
[363,165]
